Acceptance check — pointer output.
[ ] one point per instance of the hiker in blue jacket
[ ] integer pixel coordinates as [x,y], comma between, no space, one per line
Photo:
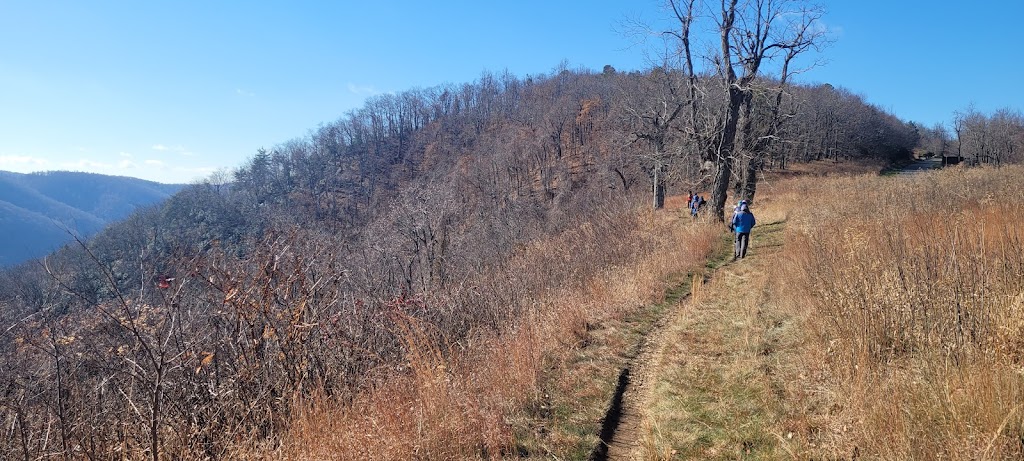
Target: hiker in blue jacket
[695,205]
[742,222]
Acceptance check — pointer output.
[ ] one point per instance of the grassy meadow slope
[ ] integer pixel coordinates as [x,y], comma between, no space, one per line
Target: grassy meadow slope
[876,317]
[915,295]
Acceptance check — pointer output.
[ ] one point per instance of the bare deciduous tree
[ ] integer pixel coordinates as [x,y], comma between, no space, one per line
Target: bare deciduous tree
[751,35]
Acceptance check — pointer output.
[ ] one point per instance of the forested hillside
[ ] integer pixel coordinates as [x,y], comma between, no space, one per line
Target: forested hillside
[426,220]
[42,211]
[484,270]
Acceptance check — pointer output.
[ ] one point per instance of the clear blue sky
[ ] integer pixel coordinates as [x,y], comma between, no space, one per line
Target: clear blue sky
[171,91]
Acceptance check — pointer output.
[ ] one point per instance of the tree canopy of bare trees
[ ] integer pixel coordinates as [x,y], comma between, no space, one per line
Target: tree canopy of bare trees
[736,83]
[994,140]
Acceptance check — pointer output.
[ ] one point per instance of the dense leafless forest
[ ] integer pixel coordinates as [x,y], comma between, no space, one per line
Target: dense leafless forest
[196,324]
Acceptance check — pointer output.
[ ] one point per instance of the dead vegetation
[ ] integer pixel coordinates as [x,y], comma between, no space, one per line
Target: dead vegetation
[913,288]
[449,273]
[534,390]
[876,318]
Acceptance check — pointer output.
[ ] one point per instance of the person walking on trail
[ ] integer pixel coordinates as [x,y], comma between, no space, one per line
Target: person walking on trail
[695,205]
[742,222]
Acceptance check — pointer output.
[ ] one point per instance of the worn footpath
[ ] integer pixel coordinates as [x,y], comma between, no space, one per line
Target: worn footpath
[707,382]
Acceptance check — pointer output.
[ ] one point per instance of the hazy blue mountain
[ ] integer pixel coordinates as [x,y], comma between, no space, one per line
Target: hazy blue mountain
[38,210]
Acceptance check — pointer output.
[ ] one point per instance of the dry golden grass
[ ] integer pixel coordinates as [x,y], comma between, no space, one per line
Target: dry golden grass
[440,408]
[913,288]
[889,326]
[725,361]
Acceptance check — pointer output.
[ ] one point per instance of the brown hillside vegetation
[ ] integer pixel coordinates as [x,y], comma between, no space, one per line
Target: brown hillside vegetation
[463,269]
[778,357]
[535,389]
[876,318]
[914,293]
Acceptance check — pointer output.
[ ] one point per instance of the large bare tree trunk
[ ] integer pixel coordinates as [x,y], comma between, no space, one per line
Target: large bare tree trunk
[659,188]
[725,155]
[749,187]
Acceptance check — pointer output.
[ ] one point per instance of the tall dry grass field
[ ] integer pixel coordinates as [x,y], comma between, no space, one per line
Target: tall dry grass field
[914,292]
[469,400]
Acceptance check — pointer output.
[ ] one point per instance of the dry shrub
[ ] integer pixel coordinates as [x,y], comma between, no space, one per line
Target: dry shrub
[460,400]
[915,289]
[438,405]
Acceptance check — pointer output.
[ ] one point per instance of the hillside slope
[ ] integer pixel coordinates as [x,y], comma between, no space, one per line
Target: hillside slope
[41,211]
[404,245]
[840,306]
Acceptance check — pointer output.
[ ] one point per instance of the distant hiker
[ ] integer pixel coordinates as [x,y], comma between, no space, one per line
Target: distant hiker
[689,199]
[695,205]
[742,222]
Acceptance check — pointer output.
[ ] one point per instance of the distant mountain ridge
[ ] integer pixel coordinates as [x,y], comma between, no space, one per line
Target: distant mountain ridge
[38,209]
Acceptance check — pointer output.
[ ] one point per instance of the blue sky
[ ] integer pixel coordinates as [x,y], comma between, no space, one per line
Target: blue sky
[172,91]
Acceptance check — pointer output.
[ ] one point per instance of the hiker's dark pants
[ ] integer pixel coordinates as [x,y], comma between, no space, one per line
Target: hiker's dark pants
[742,240]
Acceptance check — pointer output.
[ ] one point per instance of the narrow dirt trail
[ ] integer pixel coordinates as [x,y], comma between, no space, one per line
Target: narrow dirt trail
[622,426]
[677,370]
